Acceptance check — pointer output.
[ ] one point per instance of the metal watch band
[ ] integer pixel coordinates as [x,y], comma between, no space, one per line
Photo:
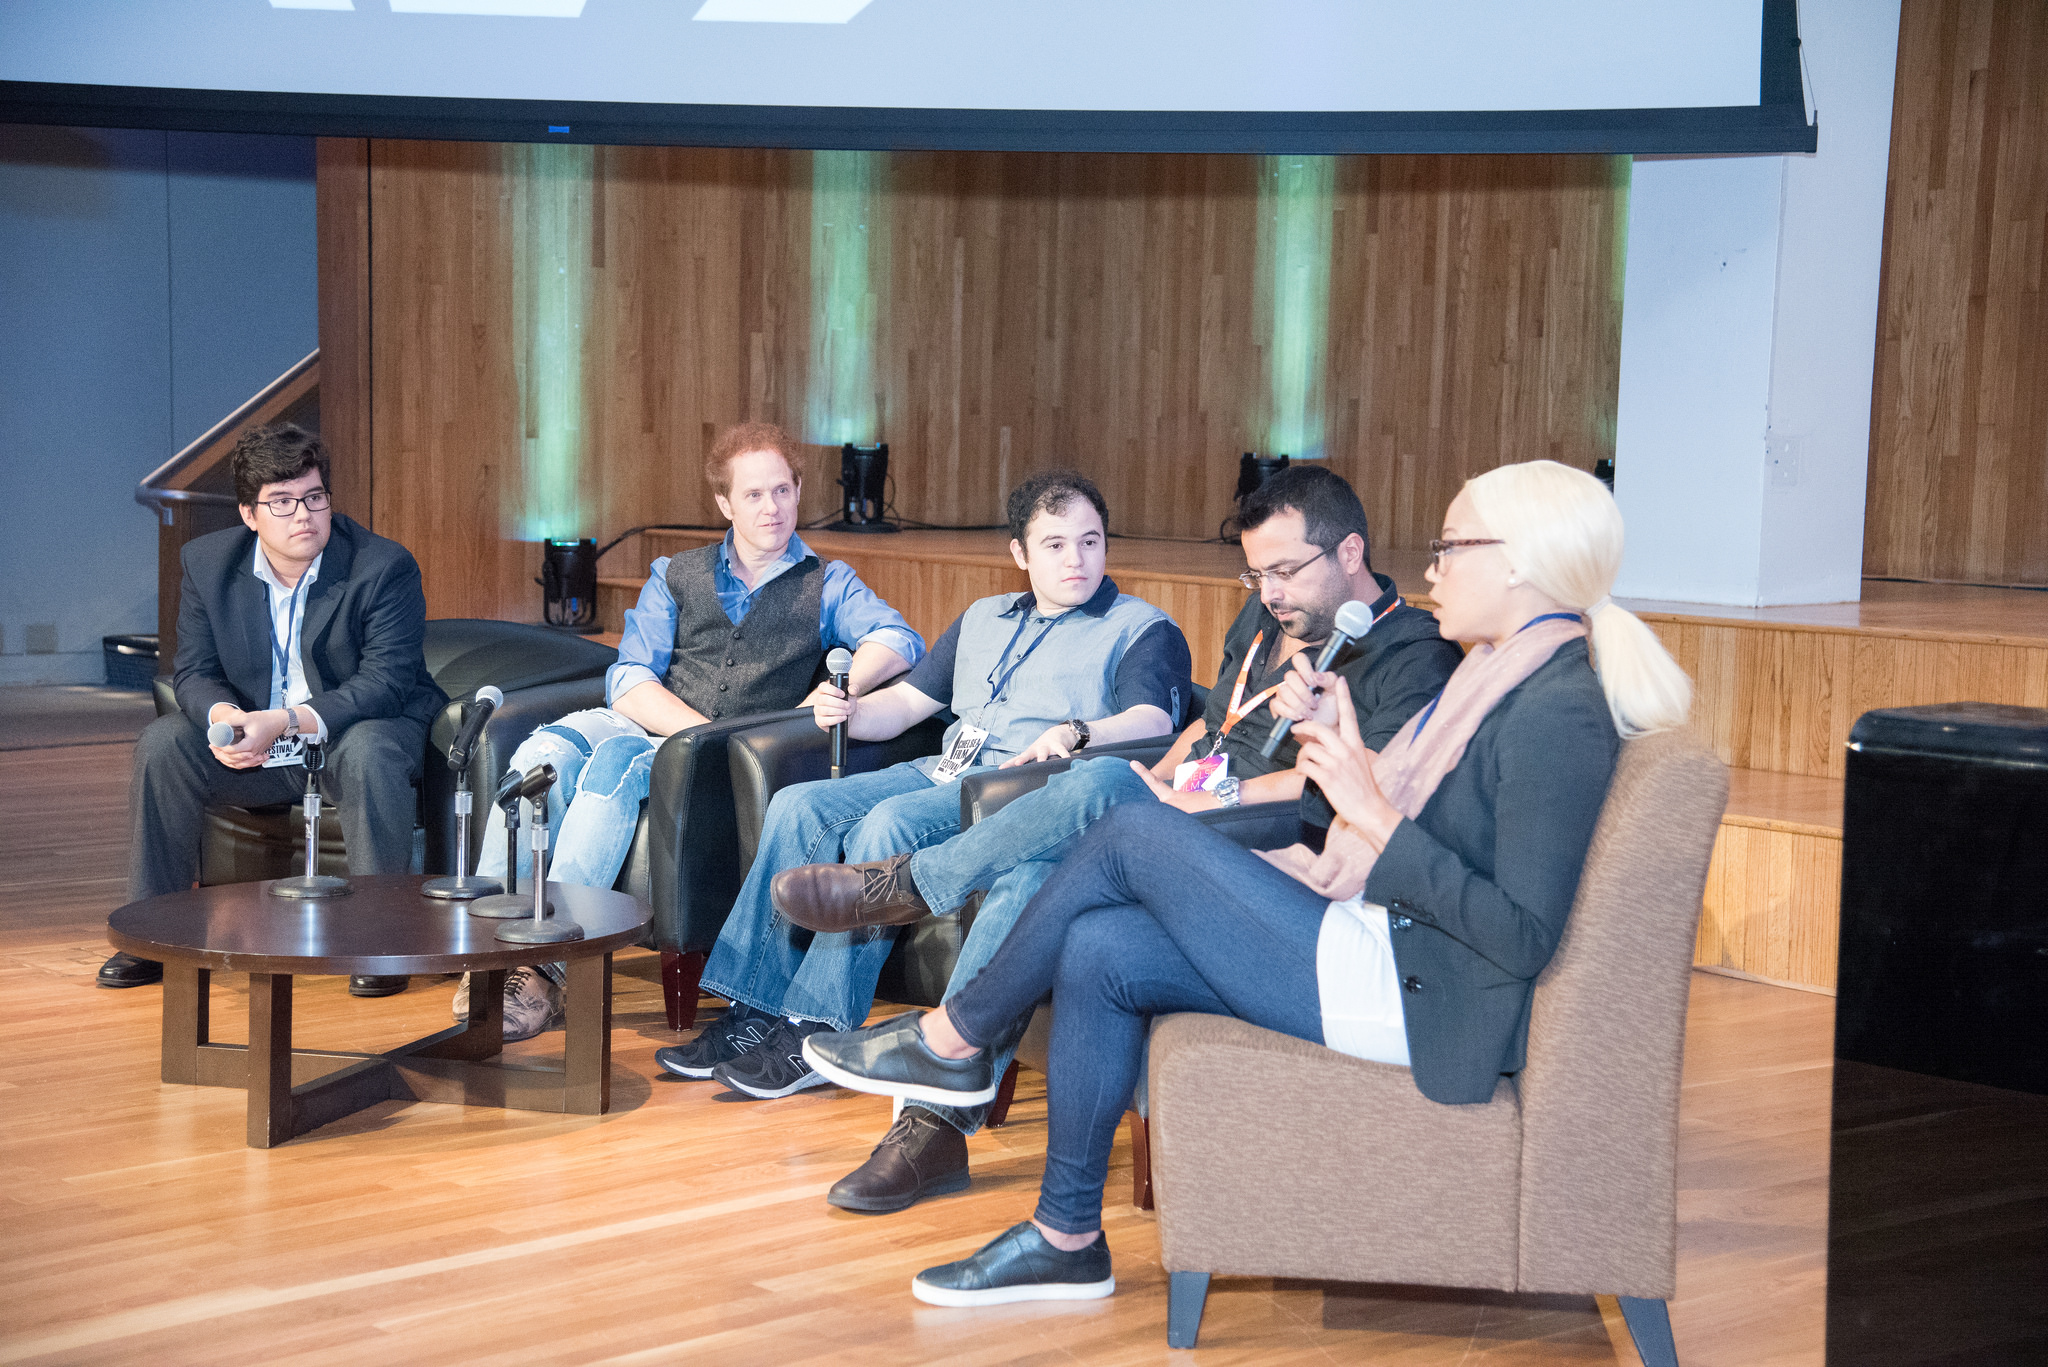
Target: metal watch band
[291,721]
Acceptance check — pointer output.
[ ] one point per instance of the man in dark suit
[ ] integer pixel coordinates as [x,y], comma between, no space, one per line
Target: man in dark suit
[302,627]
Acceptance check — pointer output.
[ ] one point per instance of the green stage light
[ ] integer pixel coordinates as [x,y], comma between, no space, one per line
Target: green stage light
[1297,198]
[551,189]
[849,259]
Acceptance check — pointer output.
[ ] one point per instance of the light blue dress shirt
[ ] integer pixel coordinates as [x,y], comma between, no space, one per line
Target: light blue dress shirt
[849,614]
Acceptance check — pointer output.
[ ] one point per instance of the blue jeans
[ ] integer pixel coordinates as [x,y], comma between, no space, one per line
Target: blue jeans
[767,963]
[601,780]
[1011,855]
[1151,913]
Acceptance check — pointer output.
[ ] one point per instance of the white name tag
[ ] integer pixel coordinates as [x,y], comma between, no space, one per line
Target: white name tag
[286,750]
[960,754]
[1201,775]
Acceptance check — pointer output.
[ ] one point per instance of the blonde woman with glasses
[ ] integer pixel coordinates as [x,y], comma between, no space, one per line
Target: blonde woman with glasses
[1412,938]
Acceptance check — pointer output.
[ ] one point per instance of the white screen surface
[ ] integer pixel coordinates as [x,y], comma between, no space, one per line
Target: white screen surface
[1290,56]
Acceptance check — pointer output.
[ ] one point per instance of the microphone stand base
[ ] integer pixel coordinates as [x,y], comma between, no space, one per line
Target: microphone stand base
[308,887]
[531,932]
[506,906]
[460,887]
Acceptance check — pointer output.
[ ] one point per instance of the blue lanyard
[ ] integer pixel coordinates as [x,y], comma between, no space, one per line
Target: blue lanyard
[1430,710]
[294,626]
[996,686]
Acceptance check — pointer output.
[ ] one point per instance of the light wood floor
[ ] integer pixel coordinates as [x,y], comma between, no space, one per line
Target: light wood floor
[135,1225]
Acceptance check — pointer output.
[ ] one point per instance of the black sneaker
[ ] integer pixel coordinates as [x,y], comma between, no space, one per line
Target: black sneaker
[892,1059]
[740,1029]
[1019,1265]
[776,1066]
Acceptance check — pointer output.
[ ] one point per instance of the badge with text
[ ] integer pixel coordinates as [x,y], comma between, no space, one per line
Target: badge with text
[1201,775]
[960,753]
[285,750]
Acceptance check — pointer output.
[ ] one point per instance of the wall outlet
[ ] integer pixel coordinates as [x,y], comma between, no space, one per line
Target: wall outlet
[42,638]
[1782,454]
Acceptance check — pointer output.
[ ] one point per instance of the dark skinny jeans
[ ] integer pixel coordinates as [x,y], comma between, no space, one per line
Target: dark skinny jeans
[1150,913]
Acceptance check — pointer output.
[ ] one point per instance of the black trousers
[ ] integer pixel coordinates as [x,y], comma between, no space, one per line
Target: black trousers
[369,775]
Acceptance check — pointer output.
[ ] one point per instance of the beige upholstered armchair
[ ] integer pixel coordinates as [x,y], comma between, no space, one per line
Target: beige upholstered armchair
[1564,1182]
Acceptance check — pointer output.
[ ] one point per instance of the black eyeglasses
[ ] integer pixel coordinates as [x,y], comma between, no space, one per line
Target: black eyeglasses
[1251,579]
[284,505]
[1439,549]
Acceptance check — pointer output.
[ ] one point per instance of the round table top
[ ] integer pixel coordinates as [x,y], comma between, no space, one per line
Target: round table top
[385,926]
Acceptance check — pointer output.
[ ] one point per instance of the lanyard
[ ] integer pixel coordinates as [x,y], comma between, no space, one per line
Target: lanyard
[1238,706]
[1430,710]
[281,654]
[996,685]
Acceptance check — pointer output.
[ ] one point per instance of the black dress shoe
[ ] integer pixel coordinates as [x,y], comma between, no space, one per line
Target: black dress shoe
[1019,1265]
[921,1156]
[370,985]
[125,970]
[892,1059]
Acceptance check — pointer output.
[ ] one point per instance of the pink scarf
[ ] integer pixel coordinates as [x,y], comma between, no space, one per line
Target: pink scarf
[1430,746]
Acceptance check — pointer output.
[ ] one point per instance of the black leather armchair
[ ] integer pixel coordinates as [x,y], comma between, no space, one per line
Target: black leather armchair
[527,663]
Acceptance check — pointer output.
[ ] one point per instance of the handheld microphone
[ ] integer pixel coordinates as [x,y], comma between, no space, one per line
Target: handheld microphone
[475,715]
[840,664]
[223,734]
[1354,619]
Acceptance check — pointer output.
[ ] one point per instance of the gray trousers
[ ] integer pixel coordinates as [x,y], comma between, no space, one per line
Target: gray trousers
[369,776]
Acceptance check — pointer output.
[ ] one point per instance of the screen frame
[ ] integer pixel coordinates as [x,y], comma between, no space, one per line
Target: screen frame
[1778,123]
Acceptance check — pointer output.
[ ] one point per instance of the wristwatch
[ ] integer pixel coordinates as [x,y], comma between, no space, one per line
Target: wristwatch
[291,721]
[1226,791]
[1080,732]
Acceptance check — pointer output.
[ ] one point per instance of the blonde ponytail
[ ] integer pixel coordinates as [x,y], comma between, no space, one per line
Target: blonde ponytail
[1564,535]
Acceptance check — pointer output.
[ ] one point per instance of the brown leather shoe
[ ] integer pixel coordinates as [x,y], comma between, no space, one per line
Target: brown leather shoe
[921,1156]
[835,897]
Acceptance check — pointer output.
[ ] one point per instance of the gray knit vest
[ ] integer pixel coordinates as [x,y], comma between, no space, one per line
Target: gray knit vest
[764,664]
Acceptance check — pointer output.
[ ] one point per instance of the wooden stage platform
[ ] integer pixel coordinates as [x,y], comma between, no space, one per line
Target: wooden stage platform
[1777,690]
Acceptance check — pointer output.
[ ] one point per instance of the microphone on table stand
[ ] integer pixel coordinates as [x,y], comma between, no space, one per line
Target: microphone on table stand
[541,930]
[463,885]
[313,883]
[509,903]
[840,664]
[1354,619]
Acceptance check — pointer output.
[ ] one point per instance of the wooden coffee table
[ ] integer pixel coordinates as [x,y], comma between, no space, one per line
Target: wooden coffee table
[383,927]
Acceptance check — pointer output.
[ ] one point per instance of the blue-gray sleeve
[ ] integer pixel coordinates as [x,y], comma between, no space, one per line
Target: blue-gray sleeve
[649,638]
[1156,669]
[852,614]
[933,675]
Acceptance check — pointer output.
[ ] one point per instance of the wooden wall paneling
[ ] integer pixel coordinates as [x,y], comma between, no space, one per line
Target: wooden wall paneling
[1475,320]
[341,181]
[1772,907]
[1959,414]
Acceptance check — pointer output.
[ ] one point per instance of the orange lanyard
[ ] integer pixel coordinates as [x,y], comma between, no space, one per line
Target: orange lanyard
[1239,705]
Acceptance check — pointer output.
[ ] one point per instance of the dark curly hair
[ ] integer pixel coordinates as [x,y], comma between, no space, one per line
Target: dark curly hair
[273,455]
[1329,506]
[1050,491]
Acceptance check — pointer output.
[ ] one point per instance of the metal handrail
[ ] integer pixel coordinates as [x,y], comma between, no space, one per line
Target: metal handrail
[150,496]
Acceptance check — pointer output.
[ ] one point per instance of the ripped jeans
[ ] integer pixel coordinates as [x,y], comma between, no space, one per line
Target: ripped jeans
[602,761]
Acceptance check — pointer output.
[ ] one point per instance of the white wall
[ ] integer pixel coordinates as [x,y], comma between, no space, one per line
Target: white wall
[1749,323]
[149,283]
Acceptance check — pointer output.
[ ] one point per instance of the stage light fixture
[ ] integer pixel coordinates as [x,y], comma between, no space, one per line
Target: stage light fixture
[864,482]
[568,584]
[1253,470]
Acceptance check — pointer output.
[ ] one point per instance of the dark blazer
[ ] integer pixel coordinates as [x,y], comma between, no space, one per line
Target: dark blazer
[1478,886]
[366,617]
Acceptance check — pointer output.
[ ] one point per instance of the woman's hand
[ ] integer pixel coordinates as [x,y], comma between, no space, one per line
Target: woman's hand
[1305,695]
[1341,766]
[1340,871]
[1055,742]
[831,706]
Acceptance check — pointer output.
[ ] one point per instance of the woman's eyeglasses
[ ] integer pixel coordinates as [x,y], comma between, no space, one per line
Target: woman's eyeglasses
[1438,550]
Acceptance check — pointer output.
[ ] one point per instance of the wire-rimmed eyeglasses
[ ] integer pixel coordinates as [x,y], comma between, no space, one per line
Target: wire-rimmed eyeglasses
[1251,579]
[284,505]
[1439,549]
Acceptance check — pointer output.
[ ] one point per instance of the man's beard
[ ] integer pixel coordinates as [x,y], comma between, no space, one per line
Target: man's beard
[1311,622]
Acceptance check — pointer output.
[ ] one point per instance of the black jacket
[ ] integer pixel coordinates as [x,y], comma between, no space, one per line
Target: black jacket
[365,619]
[1478,886]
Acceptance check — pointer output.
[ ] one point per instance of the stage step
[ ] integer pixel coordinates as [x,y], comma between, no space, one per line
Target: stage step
[1774,887]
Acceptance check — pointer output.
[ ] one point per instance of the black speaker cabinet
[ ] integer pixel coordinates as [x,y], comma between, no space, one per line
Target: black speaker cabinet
[1938,1184]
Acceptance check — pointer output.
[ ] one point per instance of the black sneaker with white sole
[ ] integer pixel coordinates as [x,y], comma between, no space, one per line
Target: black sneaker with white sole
[733,1034]
[1019,1265]
[775,1067]
[892,1059]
